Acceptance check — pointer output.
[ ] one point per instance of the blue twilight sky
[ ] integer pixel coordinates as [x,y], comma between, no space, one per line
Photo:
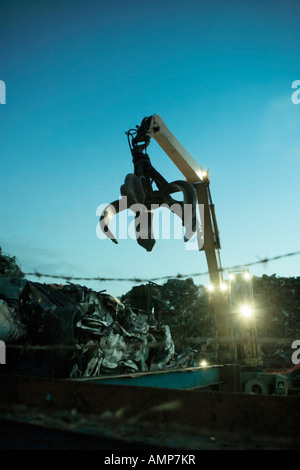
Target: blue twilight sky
[79,74]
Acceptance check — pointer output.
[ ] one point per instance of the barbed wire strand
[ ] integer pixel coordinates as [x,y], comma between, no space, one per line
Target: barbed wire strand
[265,261]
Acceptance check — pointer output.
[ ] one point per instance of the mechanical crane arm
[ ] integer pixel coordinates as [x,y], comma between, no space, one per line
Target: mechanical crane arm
[138,190]
[196,175]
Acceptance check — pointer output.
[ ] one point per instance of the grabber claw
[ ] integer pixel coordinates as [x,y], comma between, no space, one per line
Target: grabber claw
[139,196]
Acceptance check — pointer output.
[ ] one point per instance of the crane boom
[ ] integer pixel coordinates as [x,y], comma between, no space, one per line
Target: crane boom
[196,175]
[189,167]
[138,189]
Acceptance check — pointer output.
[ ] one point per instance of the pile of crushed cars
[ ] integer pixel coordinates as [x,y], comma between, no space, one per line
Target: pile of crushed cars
[185,307]
[277,302]
[72,331]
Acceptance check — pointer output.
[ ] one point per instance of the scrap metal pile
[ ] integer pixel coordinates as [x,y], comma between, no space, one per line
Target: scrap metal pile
[277,301]
[11,284]
[71,330]
[185,307]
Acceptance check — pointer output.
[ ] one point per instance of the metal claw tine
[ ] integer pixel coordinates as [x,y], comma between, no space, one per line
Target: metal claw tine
[187,210]
[189,223]
[143,229]
[108,214]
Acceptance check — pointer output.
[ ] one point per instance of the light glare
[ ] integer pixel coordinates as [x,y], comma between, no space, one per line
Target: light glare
[246,311]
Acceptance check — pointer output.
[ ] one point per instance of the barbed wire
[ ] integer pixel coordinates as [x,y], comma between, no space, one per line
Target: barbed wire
[264,261]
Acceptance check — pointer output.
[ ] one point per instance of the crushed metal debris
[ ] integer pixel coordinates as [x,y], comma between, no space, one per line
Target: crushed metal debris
[83,333]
